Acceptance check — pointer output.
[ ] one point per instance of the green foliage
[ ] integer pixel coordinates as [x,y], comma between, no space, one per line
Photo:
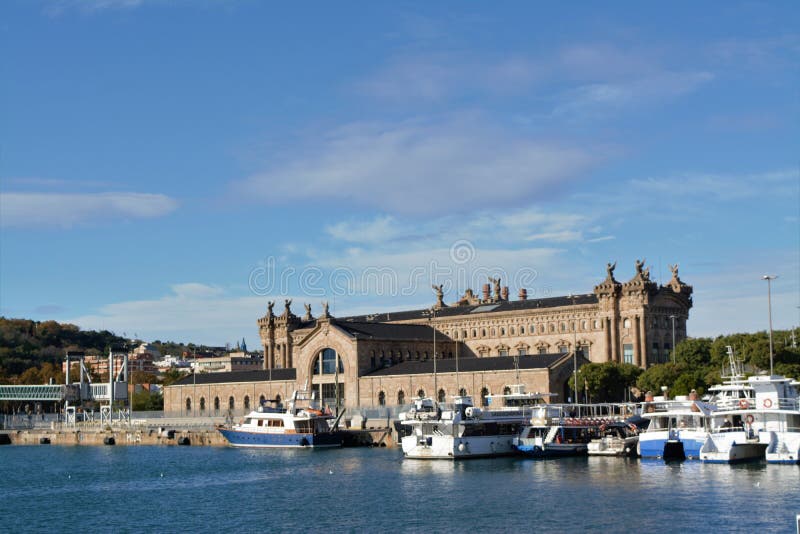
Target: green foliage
[171,376]
[144,401]
[26,344]
[606,382]
[701,362]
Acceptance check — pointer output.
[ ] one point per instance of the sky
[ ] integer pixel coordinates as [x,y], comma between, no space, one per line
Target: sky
[167,167]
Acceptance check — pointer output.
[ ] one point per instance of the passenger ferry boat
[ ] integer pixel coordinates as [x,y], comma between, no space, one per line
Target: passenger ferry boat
[756,418]
[303,424]
[676,429]
[463,430]
[567,430]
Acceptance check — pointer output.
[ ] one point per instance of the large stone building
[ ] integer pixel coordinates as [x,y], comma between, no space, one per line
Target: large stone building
[387,359]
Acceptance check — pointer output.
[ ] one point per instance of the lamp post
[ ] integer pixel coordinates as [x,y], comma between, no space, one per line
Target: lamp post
[574,355]
[673,337]
[769,278]
[431,313]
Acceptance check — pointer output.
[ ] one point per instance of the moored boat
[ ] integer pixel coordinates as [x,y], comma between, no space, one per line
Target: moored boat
[303,424]
[616,439]
[462,430]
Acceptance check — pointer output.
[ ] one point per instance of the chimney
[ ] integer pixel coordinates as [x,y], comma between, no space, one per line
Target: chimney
[504,293]
[486,293]
[523,294]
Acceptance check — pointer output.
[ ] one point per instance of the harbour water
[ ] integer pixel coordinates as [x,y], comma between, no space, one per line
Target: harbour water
[208,489]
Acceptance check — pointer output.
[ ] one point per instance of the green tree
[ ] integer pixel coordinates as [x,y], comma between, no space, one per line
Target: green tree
[606,382]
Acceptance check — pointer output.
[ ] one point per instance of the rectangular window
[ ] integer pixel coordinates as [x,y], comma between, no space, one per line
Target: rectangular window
[563,349]
[523,352]
[627,353]
[542,350]
[583,350]
[666,353]
[654,354]
[503,352]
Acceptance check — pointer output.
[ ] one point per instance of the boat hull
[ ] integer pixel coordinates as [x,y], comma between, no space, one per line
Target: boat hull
[552,450]
[449,448]
[242,438]
[664,448]
[613,447]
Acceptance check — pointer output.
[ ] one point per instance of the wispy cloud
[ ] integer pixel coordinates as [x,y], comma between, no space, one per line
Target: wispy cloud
[27,210]
[722,187]
[423,167]
[205,313]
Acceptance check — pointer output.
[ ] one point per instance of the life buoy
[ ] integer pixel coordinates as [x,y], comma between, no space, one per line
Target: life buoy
[767,403]
[743,404]
[750,419]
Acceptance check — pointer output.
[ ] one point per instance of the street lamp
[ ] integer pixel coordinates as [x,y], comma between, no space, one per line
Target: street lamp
[769,278]
[431,313]
[574,354]
[673,337]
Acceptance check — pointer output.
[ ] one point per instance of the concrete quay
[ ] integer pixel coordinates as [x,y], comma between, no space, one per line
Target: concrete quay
[383,437]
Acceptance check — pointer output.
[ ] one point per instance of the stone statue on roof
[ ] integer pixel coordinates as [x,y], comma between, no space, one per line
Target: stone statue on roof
[325,309]
[439,295]
[639,265]
[610,270]
[308,316]
[270,305]
[287,303]
[496,283]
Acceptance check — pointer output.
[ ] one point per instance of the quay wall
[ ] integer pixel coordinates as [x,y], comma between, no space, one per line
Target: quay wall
[154,436]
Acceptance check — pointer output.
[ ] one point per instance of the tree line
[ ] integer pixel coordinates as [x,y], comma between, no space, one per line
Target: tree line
[697,363]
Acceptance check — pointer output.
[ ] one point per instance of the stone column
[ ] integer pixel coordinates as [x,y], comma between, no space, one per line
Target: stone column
[609,354]
[637,343]
[642,333]
[615,340]
[271,357]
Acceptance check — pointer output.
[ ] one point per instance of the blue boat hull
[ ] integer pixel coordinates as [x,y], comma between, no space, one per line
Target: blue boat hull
[239,438]
[534,451]
[670,449]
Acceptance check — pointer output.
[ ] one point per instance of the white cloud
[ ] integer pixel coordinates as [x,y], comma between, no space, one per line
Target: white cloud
[423,167]
[192,312]
[724,187]
[381,229]
[600,98]
[67,209]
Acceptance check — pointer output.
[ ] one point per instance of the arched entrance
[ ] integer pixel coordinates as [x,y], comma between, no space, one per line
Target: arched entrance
[327,378]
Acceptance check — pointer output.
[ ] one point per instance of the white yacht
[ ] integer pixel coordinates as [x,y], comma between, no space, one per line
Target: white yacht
[463,430]
[756,417]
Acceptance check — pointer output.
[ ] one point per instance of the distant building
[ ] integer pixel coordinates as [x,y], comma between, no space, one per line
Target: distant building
[387,358]
[235,361]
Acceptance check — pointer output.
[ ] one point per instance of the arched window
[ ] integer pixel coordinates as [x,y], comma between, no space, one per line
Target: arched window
[521,330]
[474,332]
[231,403]
[441,395]
[493,332]
[502,331]
[401,398]
[277,399]
[247,402]
[188,404]
[484,395]
[462,392]
[381,398]
[563,327]
[464,334]
[326,361]
[216,404]
[421,393]
[262,400]
[626,323]
[202,404]
[483,332]
[513,331]
[372,360]
[506,390]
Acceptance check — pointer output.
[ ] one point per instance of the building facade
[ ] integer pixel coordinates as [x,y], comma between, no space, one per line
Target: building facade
[386,359]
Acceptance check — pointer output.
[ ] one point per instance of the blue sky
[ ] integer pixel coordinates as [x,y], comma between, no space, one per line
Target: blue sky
[167,167]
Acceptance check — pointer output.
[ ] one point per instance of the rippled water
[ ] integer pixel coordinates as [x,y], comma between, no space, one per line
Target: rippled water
[104,489]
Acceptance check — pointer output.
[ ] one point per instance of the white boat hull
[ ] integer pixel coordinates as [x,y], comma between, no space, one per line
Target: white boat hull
[731,447]
[444,447]
[783,448]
